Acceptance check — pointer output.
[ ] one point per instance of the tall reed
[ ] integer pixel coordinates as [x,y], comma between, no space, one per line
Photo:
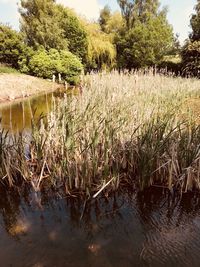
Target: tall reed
[123,130]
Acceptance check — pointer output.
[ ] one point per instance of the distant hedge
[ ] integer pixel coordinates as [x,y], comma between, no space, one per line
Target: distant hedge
[170,67]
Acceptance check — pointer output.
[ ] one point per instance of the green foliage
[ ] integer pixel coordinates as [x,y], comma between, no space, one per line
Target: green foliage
[191,50]
[45,64]
[105,15]
[170,66]
[6,69]
[50,25]
[134,10]
[24,59]
[40,24]
[11,46]
[101,51]
[191,59]
[74,32]
[114,24]
[145,44]
[70,67]
[195,23]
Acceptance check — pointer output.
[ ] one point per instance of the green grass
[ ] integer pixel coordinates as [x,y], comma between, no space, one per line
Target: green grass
[124,130]
[5,69]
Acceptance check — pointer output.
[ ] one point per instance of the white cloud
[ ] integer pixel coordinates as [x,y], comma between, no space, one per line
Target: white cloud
[89,8]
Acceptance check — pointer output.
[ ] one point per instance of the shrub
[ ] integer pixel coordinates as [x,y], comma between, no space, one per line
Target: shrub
[44,64]
[24,59]
[170,66]
[191,59]
[71,67]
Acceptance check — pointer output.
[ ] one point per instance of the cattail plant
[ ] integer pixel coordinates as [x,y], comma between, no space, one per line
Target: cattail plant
[135,129]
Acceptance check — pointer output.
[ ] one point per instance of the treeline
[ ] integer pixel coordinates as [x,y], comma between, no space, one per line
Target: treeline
[53,39]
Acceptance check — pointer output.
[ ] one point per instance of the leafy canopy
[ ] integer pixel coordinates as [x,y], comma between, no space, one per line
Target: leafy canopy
[101,51]
[147,35]
[195,23]
[11,46]
[50,25]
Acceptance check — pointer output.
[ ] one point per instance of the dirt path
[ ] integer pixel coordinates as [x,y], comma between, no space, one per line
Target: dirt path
[16,86]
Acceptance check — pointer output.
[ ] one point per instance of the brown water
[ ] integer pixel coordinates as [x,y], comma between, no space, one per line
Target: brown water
[17,116]
[152,228]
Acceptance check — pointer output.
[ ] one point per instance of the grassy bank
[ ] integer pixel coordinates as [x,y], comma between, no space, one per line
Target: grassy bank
[124,130]
[14,85]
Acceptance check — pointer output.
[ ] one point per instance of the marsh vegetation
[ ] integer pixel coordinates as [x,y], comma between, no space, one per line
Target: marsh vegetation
[124,130]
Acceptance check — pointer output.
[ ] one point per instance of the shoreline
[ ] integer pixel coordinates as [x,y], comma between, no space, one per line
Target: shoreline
[16,87]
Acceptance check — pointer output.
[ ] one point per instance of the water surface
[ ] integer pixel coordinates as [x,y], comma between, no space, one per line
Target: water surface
[151,228]
[47,229]
[17,116]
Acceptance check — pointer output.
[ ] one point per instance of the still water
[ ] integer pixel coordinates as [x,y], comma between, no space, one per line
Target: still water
[17,116]
[151,228]
[47,229]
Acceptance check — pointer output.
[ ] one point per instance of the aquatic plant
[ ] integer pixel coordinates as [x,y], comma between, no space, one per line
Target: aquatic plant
[125,129]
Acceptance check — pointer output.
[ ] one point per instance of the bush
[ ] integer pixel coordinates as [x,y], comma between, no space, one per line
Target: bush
[170,66]
[46,64]
[11,46]
[191,59]
[71,67]
[24,60]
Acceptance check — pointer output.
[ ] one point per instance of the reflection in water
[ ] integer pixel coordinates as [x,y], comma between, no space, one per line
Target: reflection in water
[17,116]
[43,229]
[152,228]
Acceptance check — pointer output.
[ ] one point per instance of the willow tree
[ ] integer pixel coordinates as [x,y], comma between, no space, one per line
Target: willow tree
[101,51]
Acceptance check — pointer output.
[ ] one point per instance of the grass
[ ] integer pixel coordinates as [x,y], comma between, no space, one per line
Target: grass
[6,69]
[125,130]
[16,86]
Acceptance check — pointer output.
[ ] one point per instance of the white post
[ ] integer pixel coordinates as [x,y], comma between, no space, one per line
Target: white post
[59,78]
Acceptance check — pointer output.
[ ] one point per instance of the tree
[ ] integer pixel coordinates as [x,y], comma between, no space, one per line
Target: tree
[50,25]
[127,10]
[191,50]
[112,24]
[74,32]
[147,36]
[105,15]
[133,10]
[11,46]
[101,51]
[195,23]
[191,59]
[40,24]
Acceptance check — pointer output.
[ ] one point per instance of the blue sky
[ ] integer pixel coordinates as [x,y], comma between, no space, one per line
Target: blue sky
[178,15]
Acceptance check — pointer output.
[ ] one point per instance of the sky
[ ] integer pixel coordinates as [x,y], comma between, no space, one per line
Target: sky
[179,12]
